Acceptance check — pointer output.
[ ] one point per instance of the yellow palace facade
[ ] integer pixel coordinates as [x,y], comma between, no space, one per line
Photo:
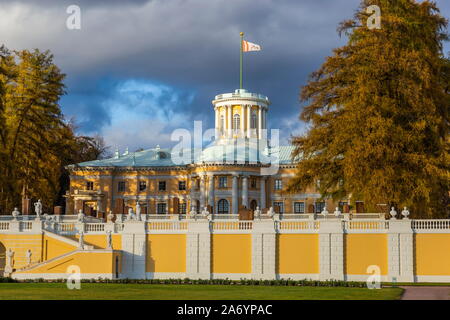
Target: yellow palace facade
[213,213]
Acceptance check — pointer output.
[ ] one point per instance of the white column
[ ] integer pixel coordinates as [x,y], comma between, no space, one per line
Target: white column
[259,122]
[263,193]
[216,127]
[202,192]
[242,133]
[234,193]
[245,191]
[230,121]
[249,119]
[211,191]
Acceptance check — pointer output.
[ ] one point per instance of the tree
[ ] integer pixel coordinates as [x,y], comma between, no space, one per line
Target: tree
[35,140]
[377,112]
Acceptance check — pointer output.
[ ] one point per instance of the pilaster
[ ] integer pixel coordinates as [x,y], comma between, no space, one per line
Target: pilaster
[331,250]
[263,250]
[198,250]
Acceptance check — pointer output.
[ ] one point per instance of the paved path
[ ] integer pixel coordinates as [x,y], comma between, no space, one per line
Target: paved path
[426,293]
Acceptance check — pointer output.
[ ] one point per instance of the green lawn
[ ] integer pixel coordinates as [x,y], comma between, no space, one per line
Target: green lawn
[92,291]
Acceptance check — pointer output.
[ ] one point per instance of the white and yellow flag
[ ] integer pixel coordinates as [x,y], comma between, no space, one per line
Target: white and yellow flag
[248,46]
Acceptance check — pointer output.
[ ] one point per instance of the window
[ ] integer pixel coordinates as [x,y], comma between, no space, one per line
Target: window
[161,208]
[161,186]
[253,183]
[181,185]
[278,205]
[182,208]
[341,205]
[253,121]
[121,186]
[222,182]
[142,185]
[236,122]
[89,185]
[278,184]
[222,206]
[299,207]
[320,206]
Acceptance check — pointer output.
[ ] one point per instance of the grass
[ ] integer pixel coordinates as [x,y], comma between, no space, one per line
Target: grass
[101,291]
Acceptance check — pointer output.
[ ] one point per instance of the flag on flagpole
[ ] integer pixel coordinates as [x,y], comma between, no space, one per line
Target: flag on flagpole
[249,46]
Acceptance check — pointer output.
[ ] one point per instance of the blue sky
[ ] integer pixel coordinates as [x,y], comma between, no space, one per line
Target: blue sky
[139,69]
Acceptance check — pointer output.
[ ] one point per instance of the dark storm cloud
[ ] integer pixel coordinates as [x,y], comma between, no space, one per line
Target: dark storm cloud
[181,46]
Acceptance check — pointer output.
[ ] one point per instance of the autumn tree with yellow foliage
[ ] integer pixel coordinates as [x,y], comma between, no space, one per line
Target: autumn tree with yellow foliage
[35,140]
[377,113]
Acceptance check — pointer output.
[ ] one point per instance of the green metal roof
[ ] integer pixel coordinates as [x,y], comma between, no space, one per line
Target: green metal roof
[213,154]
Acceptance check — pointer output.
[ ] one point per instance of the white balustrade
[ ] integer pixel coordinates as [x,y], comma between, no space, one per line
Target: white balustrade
[435,224]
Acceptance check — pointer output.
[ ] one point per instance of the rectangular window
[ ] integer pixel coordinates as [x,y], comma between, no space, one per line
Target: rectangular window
[142,185]
[161,186]
[253,183]
[320,206]
[341,205]
[222,182]
[89,185]
[121,186]
[181,185]
[278,184]
[278,206]
[161,208]
[182,208]
[299,207]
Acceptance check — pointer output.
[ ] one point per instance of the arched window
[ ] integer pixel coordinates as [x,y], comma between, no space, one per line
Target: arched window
[222,206]
[254,121]
[236,122]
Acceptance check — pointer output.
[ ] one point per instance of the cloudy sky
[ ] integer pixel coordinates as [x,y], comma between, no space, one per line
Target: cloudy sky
[139,69]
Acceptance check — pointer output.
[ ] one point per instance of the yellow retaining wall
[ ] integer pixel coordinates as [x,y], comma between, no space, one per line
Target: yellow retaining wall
[99,240]
[363,250]
[166,253]
[54,248]
[231,253]
[20,243]
[89,262]
[297,253]
[432,254]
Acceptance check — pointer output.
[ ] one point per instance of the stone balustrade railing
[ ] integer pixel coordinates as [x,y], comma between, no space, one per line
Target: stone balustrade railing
[221,223]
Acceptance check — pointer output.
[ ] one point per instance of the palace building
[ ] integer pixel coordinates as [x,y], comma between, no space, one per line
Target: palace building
[157,233]
[242,168]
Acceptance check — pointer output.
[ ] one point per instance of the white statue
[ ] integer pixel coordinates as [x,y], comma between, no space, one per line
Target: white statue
[81,241]
[109,240]
[205,211]
[257,213]
[271,212]
[119,218]
[337,212]
[15,213]
[138,211]
[193,211]
[80,216]
[9,263]
[38,208]
[325,211]
[28,255]
[393,213]
[110,217]
[405,212]
[130,215]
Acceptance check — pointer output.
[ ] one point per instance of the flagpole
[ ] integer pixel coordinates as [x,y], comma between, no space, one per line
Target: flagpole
[241,60]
